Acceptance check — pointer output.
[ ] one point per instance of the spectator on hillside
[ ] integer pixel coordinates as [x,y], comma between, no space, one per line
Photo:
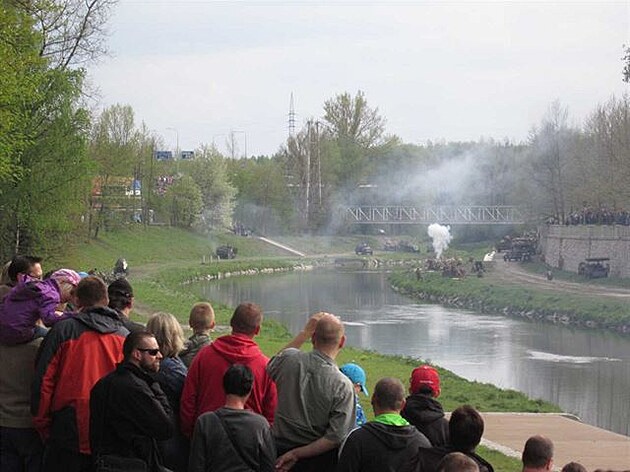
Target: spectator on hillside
[21,448]
[201,321]
[387,443]
[573,467]
[121,299]
[171,376]
[130,412]
[538,454]
[32,300]
[315,400]
[202,389]
[465,429]
[74,355]
[358,378]
[457,462]
[233,438]
[422,409]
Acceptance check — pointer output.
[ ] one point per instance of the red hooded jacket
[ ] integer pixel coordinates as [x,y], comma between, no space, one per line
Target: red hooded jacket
[203,389]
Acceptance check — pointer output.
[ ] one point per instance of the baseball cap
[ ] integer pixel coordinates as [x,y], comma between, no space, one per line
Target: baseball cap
[356,374]
[66,275]
[425,376]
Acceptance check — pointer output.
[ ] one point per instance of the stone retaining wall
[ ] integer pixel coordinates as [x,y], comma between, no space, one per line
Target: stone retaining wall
[564,247]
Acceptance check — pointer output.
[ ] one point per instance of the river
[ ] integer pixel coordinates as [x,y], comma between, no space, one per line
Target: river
[587,373]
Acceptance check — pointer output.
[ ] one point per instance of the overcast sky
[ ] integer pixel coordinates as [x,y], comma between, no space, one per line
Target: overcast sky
[435,70]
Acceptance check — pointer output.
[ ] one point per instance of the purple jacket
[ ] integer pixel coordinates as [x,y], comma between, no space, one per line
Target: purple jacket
[27,302]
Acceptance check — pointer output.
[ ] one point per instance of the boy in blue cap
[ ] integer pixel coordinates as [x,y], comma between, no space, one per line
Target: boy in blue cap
[357,376]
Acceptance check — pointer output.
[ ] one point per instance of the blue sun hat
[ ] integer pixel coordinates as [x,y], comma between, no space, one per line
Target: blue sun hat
[356,375]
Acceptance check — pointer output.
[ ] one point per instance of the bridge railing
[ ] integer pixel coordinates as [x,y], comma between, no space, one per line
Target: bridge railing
[461,214]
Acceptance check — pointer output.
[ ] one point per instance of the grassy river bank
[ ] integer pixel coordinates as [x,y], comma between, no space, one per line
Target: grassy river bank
[161,260]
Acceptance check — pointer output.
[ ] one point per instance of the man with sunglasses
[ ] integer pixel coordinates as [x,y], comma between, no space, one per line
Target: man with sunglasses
[129,410]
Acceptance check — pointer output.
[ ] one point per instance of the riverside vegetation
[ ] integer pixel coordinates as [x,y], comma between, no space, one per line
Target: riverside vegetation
[488,296]
[162,260]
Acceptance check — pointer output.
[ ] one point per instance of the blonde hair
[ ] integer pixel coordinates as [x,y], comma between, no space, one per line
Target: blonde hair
[201,316]
[168,333]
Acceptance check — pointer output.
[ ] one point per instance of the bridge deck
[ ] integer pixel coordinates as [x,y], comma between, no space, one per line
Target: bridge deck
[463,214]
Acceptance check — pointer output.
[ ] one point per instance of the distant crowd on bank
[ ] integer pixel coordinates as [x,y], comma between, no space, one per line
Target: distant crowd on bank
[84,388]
[593,216]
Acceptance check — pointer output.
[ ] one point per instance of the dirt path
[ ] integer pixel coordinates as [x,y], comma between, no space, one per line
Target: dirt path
[513,273]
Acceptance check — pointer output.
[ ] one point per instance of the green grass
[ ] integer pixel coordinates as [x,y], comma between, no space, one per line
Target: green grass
[162,258]
[495,297]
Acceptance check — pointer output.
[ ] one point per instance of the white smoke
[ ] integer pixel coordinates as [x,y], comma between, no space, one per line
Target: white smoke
[441,236]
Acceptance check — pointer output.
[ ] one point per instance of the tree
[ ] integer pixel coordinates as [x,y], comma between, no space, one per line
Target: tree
[351,120]
[209,170]
[185,202]
[626,63]
[43,149]
[115,148]
[550,156]
[72,31]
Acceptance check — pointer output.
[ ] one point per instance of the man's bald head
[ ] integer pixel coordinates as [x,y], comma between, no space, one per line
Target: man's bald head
[328,332]
[457,462]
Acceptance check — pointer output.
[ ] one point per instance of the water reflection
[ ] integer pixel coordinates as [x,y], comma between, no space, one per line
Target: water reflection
[585,373]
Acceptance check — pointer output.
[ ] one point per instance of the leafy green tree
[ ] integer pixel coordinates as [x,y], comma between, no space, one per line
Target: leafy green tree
[184,202]
[209,170]
[43,143]
[115,149]
[351,120]
[264,202]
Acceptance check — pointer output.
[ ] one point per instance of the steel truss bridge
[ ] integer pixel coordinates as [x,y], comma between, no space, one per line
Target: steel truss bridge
[451,215]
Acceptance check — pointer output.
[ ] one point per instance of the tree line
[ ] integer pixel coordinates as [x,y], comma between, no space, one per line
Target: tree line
[67,173]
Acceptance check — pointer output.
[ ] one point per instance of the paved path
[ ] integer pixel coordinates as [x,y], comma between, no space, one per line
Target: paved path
[594,448]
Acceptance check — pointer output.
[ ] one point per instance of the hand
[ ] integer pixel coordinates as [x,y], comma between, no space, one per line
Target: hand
[287,460]
[309,329]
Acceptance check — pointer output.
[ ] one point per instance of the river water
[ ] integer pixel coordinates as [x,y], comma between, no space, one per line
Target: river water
[586,373]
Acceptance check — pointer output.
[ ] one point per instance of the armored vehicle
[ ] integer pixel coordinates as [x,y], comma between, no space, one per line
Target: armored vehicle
[226,252]
[594,267]
[363,249]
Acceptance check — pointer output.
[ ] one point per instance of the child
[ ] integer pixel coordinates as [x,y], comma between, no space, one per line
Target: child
[32,300]
[357,375]
[201,321]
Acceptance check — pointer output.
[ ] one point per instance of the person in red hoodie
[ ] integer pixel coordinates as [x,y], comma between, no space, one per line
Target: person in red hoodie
[203,390]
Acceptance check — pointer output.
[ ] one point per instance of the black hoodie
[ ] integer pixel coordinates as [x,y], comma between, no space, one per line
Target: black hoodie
[426,414]
[380,448]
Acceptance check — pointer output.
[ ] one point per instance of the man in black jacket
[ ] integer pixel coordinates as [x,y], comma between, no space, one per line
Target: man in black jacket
[129,410]
[232,438]
[387,443]
[422,409]
[465,429]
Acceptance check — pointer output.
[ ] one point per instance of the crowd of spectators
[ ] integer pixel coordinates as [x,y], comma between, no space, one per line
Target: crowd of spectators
[589,215]
[109,395]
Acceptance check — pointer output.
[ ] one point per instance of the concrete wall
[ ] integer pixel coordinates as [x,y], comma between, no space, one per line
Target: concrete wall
[565,247]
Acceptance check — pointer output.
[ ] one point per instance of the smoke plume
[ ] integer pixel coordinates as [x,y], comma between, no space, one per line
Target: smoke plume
[441,236]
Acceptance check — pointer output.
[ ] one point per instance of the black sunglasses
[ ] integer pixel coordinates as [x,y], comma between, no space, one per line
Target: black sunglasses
[152,352]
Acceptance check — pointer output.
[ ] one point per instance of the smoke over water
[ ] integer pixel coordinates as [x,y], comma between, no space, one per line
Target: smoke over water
[441,236]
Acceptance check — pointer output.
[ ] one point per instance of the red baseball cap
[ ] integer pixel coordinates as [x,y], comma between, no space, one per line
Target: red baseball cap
[425,376]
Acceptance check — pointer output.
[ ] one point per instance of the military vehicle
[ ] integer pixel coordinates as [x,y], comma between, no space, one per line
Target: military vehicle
[363,249]
[522,250]
[226,252]
[594,267]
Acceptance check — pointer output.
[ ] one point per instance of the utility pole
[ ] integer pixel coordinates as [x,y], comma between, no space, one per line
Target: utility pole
[319,164]
[291,117]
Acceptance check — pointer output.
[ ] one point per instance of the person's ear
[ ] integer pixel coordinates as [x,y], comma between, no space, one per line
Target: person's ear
[342,341]
[257,331]
[213,324]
